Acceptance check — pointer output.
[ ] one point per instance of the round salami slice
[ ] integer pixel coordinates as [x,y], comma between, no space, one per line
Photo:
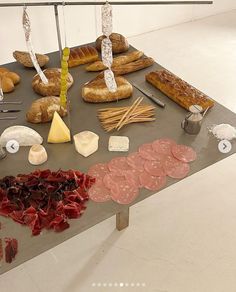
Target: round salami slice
[133,176]
[184,153]
[147,152]
[152,183]
[124,193]
[98,170]
[135,161]
[111,178]
[154,168]
[118,165]
[175,168]
[99,193]
[163,146]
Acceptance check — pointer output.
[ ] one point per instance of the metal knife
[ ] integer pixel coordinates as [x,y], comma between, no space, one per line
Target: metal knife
[9,111]
[8,118]
[10,102]
[150,96]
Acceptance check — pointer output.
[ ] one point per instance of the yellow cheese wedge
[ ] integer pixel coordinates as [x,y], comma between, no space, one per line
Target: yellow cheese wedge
[59,132]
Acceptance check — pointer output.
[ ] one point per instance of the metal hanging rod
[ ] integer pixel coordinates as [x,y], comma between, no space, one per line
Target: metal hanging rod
[111,2]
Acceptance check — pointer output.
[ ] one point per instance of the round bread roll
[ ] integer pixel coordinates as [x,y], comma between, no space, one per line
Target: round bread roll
[54,82]
[8,80]
[119,43]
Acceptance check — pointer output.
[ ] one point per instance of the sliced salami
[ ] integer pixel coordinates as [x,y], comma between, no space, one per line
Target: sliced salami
[147,152]
[98,170]
[135,161]
[163,146]
[124,193]
[118,165]
[111,178]
[154,168]
[99,193]
[152,183]
[184,153]
[133,176]
[175,168]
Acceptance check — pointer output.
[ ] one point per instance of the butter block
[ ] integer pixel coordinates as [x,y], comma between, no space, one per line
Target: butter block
[118,143]
[86,143]
[59,132]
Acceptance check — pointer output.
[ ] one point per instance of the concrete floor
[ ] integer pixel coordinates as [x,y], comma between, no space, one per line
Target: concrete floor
[181,240]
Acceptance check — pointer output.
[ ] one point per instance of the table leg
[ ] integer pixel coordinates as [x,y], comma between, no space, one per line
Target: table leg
[122,219]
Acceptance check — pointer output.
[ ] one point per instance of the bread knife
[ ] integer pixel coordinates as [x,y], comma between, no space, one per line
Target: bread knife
[8,118]
[10,102]
[150,96]
[9,111]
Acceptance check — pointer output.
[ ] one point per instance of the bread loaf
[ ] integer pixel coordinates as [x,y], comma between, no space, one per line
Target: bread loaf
[119,43]
[97,91]
[133,66]
[82,55]
[8,80]
[178,90]
[54,82]
[42,110]
[24,59]
[117,61]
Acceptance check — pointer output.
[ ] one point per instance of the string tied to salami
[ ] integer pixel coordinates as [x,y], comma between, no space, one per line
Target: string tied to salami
[1,91]
[106,47]
[29,44]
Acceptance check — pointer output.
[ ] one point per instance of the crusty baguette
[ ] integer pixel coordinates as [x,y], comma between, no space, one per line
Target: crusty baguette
[42,109]
[53,87]
[117,61]
[178,90]
[82,55]
[96,91]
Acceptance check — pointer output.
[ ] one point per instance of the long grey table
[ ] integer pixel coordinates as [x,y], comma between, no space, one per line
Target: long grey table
[84,117]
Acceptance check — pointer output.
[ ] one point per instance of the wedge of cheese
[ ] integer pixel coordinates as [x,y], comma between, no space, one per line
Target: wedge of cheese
[59,132]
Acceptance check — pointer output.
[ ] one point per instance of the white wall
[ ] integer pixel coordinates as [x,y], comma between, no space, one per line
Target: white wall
[83,23]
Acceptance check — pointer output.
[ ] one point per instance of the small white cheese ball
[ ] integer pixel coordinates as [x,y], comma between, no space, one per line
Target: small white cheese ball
[86,143]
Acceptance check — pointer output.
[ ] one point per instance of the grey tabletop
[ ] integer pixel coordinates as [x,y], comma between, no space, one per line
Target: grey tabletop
[64,156]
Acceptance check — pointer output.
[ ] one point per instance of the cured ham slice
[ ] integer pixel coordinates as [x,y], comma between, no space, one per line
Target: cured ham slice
[175,168]
[154,168]
[98,170]
[111,178]
[124,193]
[163,146]
[133,176]
[99,193]
[184,153]
[135,161]
[147,152]
[11,249]
[152,183]
[118,165]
